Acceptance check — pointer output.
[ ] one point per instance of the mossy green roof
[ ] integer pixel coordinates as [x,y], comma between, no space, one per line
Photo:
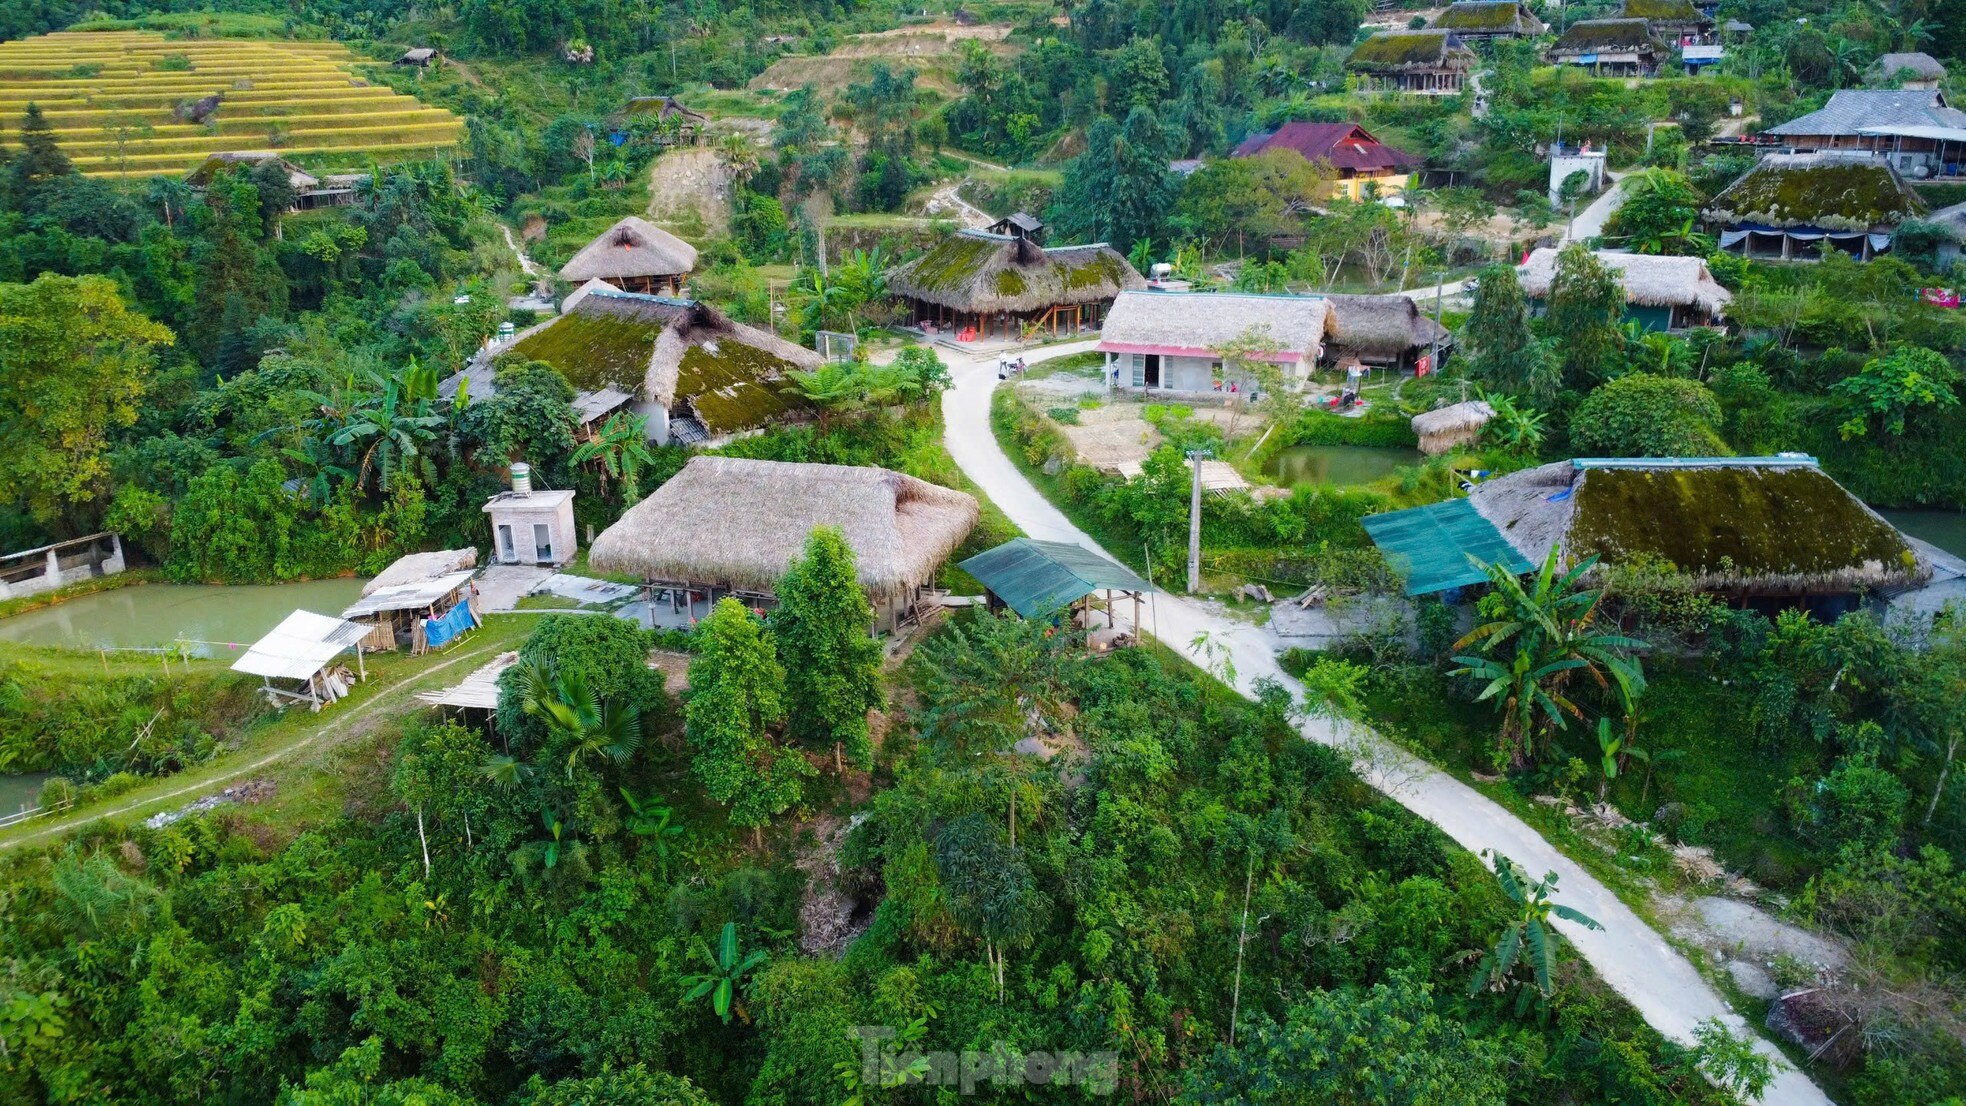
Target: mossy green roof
[982,272]
[734,386]
[1832,193]
[1399,49]
[594,350]
[1482,16]
[1668,11]
[1604,34]
[1749,525]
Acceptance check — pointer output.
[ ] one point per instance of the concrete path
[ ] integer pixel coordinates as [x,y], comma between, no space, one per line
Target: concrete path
[1589,222]
[1635,961]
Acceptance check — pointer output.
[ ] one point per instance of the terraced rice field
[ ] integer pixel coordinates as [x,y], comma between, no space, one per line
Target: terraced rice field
[110,97]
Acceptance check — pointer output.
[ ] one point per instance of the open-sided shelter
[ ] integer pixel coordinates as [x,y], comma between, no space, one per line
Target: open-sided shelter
[1046,579]
[414,591]
[298,653]
[998,284]
[733,526]
[1789,204]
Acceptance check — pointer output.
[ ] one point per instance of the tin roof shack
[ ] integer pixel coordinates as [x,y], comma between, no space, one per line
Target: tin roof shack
[1789,205]
[1047,579]
[635,255]
[1174,341]
[1386,331]
[1001,284]
[1360,162]
[413,590]
[300,653]
[1610,48]
[696,375]
[1914,128]
[1425,63]
[1772,531]
[531,527]
[1661,293]
[733,526]
[1677,22]
[1479,20]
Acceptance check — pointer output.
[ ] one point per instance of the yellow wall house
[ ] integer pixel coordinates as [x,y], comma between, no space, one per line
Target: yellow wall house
[1361,163]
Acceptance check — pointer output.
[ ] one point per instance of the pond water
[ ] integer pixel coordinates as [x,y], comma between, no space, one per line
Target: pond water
[1336,464]
[19,791]
[157,614]
[1945,529]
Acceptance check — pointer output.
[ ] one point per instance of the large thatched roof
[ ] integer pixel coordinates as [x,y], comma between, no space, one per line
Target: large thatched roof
[632,247]
[1488,17]
[1380,326]
[1202,324]
[736,522]
[1830,190]
[1591,36]
[1912,65]
[1749,525]
[1394,51]
[1649,281]
[667,352]
[977,271]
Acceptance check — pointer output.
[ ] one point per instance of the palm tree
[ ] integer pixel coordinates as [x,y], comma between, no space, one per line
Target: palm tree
[385,424]
[620,449]
[1549,626]
[576,719]
[727,969]
[1527,939]
[740,156]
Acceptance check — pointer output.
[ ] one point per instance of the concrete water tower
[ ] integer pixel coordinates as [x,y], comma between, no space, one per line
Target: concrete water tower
[531,527]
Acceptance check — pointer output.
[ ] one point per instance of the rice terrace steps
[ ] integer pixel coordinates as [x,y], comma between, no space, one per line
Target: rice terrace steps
[112,99]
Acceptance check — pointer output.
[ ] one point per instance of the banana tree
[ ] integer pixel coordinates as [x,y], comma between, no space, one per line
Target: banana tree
[1527,941]
[727,969]
[619,449]
[649,819]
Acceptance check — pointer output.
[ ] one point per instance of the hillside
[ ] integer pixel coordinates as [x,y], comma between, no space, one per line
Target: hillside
[113,98]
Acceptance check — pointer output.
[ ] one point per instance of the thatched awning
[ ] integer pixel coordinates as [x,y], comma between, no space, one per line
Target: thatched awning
[632,247]
[1380,326]
[982,273]
[739,523]
[1745,525]
[1648,280]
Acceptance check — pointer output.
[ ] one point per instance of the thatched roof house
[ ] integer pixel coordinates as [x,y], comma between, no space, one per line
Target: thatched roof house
[634,255]
[1610,47]
[1913,69]
[999,282]
[692,371]
[419,56]
[734,525]
[1477,19]
[1675,21]
[310,191]
[1385,330]
[1432,63]
[1661,293]
[1789,203]
[1173,341]
[1444,428]
[1743,526]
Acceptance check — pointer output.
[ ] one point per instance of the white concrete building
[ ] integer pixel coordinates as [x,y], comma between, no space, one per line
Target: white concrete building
[1173,341]
[532,527]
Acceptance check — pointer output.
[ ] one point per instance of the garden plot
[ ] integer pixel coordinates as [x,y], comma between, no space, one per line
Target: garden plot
[136,104]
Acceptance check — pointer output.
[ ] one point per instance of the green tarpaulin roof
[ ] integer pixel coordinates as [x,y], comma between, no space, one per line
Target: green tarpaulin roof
[1039,577]
[1430,546]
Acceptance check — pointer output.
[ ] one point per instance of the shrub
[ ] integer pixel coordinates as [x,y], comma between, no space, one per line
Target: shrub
[1646,415]
[1067,416]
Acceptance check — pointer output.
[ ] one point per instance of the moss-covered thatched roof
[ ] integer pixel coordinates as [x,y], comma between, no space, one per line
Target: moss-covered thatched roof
[1820,190]
[1593,35]
[1744,525]
[982,272]
[672,353]
[1661,11]
[1411,50]
[1488,17]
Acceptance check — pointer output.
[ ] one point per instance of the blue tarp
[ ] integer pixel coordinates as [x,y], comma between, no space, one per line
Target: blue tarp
[451,624]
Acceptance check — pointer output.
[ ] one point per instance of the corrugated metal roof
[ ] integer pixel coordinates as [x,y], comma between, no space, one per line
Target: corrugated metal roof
[1431,547]
[301,645]
[409,597]
[1851,110]
[1039,577]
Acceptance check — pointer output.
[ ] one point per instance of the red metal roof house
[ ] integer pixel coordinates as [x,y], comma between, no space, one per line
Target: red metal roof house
[1349,149]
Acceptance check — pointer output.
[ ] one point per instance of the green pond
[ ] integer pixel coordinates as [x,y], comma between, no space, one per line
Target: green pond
[1336,464]
[19,791]
[158,614]
[1945,529]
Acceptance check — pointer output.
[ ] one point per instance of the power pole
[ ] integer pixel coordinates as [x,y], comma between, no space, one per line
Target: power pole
[1194,521]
